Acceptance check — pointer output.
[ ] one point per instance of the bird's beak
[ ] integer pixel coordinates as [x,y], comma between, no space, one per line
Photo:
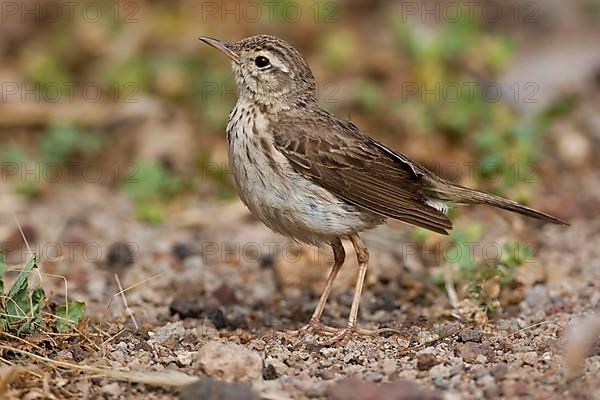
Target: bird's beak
[223,47]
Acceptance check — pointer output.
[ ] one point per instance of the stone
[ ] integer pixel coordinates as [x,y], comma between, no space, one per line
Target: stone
[206,388]
[531,358]
[388,366]
[170,333]
[112,390]
[269,372]
[470,335]
[217,318]
[440,383]
[537,297]
[230,362]
[120,254]
[470,352]
[352,389]
[499,370]
[225,295]
[426,361]
[185,308]
[439,371]
[185,358]
[276,366]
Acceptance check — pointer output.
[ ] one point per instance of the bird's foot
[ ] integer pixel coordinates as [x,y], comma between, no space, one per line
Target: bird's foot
[343,335]
[315,326]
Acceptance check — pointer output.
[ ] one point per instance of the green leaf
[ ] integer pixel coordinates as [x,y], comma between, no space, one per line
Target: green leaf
[38,297]
[13,154]
[69,314]
[63,141]
[339,48]
[24,308]
[17,305]
[21,282]
[151,181]
[59,143]
[150,211]
[368,95]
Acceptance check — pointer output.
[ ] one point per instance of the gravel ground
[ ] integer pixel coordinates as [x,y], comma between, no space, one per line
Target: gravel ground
[210,303]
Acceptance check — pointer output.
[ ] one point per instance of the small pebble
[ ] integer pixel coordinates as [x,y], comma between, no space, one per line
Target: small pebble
[120,254]
[230,362]
[499,370]
[185,308]
[181,251]
[269,372]
[426,361]
[440,383]
[537,297]
[470,335]
[206,388]
[531,358]
[225,295]
[389,366]
[469,352]
[439,371]
[112,390]
[217,318]
[267,261]
[326,374]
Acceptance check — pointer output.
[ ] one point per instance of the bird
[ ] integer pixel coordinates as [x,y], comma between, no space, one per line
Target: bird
[319,179]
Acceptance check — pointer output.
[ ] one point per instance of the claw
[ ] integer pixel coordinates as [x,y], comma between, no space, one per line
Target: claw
[345,334]
[315,326]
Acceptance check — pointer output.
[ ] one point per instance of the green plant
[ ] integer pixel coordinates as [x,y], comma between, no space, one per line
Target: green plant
[22,309]
[61,142]
[487,280]
[338,49]
[456,102]
[482,279]
[25,184]
[460,250]
[67,316]
[368,95]
[150,186]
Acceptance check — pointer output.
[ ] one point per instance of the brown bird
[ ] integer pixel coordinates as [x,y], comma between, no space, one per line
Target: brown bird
[319,179]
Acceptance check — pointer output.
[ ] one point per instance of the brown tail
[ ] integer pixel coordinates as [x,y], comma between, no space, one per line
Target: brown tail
[462,195]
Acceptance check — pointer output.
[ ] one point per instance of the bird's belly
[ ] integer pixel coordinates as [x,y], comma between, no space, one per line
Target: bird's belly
[290,204]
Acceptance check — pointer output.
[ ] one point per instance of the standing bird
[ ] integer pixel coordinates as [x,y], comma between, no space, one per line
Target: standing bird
[319,179]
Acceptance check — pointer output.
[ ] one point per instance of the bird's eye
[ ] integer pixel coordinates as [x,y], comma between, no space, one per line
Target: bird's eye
[262,62]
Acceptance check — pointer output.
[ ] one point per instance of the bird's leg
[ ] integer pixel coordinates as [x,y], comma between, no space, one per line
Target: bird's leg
[339,255]
[362,255]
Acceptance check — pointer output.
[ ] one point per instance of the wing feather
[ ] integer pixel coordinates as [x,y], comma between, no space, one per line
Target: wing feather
[358,169]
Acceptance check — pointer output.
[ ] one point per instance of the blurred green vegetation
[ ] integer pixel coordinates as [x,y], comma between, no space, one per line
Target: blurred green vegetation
[483,270]
[199,80]
[62,142]
[495,132]
[487,280]
[57,145]
[150,185]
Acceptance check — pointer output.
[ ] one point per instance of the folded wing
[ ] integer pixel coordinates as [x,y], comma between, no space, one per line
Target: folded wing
[358,169]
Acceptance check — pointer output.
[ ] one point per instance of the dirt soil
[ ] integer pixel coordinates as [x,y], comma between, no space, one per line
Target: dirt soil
[213,294]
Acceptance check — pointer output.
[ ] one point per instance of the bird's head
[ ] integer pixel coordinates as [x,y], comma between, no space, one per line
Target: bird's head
[268,71]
